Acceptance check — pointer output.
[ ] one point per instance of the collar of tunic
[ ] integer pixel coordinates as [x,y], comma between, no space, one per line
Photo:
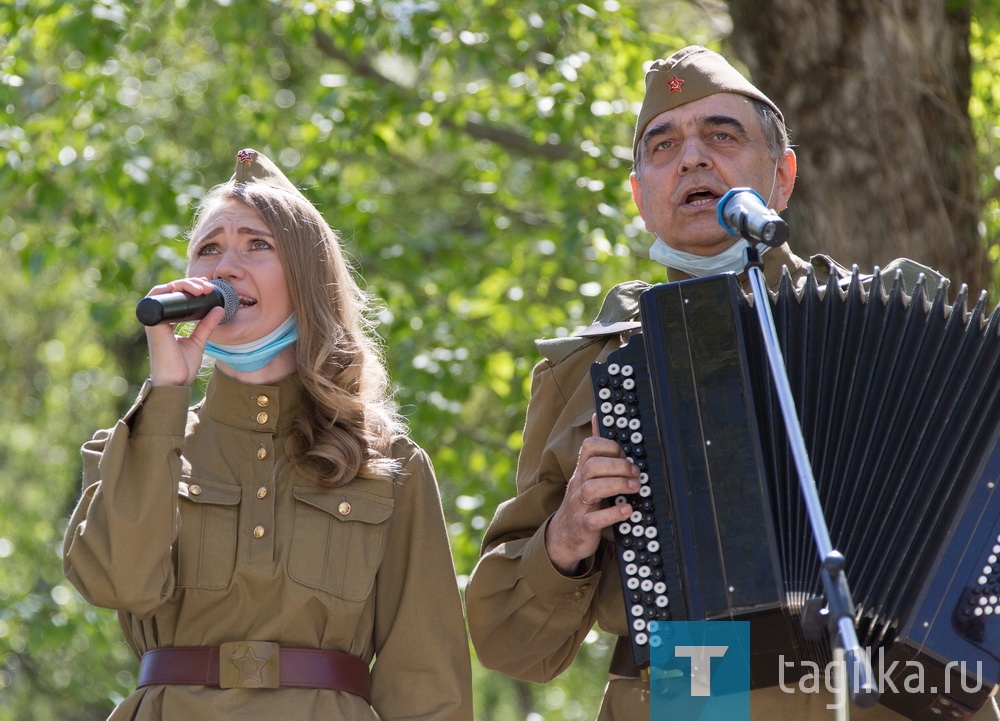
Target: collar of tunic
[252,407]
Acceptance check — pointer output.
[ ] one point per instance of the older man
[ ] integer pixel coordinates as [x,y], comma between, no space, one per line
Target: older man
[548,570]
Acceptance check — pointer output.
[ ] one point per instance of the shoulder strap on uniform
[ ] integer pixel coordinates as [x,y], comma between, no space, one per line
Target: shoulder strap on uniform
[911,271]
[619,313]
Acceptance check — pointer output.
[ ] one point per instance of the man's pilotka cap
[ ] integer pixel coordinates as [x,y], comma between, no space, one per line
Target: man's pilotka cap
[690,74]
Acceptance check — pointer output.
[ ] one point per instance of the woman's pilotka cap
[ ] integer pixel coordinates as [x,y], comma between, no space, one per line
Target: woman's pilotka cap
[254,167]
[690,74]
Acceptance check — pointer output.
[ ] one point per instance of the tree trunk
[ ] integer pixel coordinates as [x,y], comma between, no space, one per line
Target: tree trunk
[876,96]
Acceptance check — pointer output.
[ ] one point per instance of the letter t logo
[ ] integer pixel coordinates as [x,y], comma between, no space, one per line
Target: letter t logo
[701,662]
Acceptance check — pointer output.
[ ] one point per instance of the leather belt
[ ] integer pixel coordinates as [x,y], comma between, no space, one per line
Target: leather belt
[254,664]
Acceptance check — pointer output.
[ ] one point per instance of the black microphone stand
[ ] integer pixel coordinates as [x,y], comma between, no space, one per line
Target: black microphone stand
[840,612]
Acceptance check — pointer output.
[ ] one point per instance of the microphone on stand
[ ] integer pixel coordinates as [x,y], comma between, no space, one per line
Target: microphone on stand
[743,212]
[180,306]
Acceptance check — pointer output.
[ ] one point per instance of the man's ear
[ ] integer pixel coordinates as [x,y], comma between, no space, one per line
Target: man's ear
[784,180]
[636,193]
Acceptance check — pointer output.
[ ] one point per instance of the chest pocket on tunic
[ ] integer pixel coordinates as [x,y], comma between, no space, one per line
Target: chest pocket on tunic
[337,539]
[206,546]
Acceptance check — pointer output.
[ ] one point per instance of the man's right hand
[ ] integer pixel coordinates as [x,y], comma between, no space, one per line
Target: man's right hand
[602,472]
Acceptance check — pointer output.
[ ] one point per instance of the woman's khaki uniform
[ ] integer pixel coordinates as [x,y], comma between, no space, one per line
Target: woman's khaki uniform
[198,531]
[528,620]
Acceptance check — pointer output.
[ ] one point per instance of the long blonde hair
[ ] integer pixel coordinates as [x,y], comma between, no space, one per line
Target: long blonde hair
[350,420]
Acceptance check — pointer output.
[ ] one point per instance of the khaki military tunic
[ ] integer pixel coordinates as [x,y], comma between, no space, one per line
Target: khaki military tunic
[197,530]
[528,620]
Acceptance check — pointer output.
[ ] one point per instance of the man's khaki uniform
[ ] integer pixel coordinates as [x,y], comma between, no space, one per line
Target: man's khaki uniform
[528,620]
[196,529]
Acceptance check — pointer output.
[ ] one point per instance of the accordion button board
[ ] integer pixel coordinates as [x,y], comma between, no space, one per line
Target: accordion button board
[648,567]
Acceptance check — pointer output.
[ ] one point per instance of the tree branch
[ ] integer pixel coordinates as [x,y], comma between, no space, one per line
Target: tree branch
[512,140]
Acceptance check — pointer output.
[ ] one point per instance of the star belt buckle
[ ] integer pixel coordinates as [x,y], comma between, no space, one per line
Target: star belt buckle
[249,664]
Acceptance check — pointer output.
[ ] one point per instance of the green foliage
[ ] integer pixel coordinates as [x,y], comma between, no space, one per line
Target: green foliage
[474,155]
[59,378]
[984,109]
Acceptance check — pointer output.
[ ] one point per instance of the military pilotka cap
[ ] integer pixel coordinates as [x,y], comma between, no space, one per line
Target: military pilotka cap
[690,74]
[254,167]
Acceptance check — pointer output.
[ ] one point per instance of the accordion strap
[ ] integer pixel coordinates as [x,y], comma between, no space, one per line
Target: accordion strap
[622,663]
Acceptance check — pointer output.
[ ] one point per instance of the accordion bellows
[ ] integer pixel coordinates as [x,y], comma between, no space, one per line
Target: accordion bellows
[898,396]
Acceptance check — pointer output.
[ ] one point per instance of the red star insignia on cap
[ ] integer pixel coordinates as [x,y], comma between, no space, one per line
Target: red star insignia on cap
[675,84]
[245,156]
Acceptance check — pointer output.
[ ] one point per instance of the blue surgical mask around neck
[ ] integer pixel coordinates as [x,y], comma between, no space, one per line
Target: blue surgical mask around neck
[731,259]
[253,356]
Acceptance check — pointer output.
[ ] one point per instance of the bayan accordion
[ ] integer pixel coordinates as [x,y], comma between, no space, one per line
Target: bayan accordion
[898,396]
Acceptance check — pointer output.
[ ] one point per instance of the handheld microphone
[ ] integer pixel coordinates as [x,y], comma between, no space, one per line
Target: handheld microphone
[179,307]
[743,212]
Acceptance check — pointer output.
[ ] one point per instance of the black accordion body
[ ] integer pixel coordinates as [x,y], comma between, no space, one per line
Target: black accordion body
[898,397]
